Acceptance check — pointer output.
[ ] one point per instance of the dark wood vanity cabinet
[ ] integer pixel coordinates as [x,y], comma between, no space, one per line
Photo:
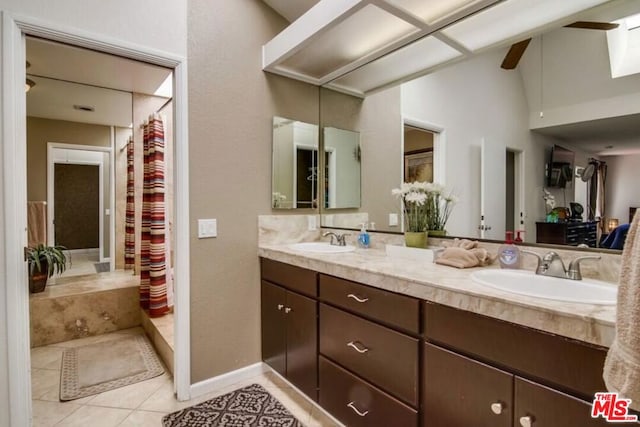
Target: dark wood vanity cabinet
[375,358]
[290,325]
[482,371]
[369,356]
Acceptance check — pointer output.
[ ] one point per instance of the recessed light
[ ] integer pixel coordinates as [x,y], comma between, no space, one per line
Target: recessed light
[84,107]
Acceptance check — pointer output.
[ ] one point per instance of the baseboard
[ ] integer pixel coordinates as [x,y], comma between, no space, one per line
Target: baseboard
[225,380]
[336,421]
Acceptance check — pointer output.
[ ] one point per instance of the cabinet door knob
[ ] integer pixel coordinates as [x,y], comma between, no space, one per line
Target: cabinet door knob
[287,310]
[280,306]
[352,406]
[497,408]
[526,421]
[355,297]
[353,345]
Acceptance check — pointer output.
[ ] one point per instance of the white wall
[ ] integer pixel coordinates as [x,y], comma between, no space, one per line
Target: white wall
[153,24]
[622,190]
[472,100]
[576,79]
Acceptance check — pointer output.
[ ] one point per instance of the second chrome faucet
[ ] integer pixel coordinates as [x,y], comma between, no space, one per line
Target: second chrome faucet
[552,265]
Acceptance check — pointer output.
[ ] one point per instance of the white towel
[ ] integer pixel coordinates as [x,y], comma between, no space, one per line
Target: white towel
[622,366]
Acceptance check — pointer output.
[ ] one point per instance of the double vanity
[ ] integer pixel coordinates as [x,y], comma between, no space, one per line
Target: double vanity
[379,341]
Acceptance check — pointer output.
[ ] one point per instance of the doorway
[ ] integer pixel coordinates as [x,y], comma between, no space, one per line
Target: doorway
[15,28]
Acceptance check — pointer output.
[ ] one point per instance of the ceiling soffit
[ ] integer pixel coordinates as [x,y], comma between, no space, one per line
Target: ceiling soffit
[362,46]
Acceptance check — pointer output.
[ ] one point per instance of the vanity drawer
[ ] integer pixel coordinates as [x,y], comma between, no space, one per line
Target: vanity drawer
[342,394]
[567,364]
[380,355]
[395,310]
[289,276]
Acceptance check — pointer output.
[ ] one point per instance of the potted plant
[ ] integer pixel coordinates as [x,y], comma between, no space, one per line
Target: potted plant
[43,262]
[414,197]
[438,206]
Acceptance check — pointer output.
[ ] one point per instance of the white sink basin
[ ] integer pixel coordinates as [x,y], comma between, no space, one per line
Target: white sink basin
[524,282]
[321,247]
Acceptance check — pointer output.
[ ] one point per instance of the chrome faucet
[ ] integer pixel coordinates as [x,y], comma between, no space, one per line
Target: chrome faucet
[551,265]
[336,239]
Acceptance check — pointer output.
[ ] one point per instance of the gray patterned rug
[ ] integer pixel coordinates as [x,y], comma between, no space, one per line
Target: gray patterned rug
[104,366]
[251,406]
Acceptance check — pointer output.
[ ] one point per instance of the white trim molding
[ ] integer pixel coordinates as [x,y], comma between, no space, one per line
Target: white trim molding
[221,381]
[13,201]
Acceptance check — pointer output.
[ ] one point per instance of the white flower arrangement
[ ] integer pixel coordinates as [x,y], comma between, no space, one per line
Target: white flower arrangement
[426,207]
[277,199]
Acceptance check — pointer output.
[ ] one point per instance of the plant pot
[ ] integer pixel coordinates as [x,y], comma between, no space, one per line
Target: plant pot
[437,233]
[415,239]
[38,280]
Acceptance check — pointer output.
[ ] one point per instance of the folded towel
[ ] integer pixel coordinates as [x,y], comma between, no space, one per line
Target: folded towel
[622,366]
[465,254]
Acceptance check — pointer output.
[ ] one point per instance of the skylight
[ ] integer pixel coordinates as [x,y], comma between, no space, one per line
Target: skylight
[632,22]
[624,47]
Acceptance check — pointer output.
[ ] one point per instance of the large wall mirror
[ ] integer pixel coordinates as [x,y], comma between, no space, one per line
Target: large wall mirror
[493,132]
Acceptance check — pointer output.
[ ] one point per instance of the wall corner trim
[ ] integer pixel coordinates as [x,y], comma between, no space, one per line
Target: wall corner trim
[221,381]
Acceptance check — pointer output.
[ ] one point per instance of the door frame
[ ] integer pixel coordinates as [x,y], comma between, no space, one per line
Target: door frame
[51,162]
[14,200]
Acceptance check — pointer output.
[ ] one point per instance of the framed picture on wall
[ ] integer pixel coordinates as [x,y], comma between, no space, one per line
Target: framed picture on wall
[418,166]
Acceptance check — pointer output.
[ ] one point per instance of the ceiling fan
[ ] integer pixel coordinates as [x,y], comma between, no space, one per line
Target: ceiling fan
[514,54]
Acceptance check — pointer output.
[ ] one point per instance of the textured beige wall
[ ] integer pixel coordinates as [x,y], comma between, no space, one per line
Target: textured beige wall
[42,131]
[231,106]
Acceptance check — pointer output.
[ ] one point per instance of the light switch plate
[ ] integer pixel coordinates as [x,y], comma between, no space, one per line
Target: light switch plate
[393,220]
[312,223]
[207,228]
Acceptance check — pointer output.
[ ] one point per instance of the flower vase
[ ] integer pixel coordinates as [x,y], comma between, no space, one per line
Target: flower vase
[415,239]
[437,233]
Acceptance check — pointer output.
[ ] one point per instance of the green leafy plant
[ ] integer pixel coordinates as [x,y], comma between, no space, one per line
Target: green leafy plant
[51,256]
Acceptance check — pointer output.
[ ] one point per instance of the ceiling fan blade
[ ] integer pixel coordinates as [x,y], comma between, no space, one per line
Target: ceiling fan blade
[512,57]
[589,25]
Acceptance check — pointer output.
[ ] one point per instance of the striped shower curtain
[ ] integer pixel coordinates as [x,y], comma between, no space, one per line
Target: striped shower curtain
[153,277]
[129,227]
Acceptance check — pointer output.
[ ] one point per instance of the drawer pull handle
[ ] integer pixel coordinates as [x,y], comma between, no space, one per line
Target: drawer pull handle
[287,310]
[352,406]
[355,297]
[526,421]
[353,345]
[280,306]
[497,408]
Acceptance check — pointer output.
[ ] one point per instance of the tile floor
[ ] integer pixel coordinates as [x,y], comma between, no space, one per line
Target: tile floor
[142,404]
[82,262]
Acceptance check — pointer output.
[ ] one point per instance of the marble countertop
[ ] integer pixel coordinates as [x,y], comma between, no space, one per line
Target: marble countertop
[454,287]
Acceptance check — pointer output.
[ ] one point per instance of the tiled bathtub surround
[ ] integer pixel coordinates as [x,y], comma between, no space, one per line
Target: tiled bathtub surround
[450,286]
[84,306]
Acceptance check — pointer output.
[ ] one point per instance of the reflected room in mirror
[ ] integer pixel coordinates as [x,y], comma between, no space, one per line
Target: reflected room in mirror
[295,181]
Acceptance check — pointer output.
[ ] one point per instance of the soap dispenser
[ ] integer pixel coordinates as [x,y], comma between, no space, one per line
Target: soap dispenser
[363,237]
[509,254]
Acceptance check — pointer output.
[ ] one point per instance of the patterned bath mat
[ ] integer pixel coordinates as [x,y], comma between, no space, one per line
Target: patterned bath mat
[104,366]
[251,406]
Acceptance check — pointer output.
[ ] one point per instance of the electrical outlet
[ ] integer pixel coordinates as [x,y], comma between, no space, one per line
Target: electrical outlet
[393,220]
[312,223]
[207,228]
